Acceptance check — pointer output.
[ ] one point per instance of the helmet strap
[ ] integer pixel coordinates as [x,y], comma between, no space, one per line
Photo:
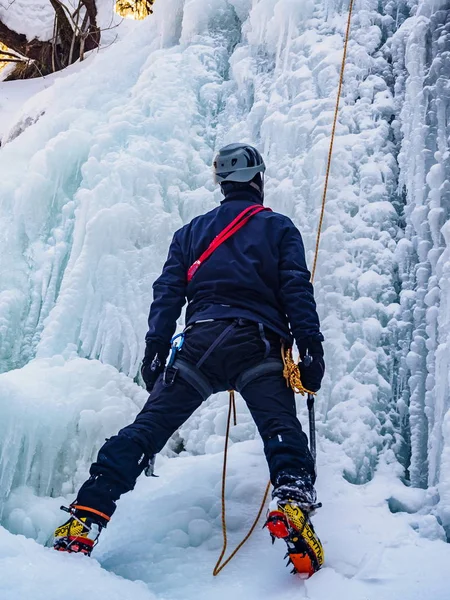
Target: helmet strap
[260,187]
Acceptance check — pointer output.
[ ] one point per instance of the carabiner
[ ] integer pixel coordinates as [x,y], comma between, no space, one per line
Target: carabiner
[175,347]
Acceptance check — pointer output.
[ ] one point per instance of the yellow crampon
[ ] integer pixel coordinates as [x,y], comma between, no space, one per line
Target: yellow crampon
[303,525]
[72,527]
[78,534]
[290,523]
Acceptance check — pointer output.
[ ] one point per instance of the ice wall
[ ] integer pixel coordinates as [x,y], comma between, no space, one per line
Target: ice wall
[117,163]
[95,188]
[96,176]
[104,166]
[54,414]
[421,52]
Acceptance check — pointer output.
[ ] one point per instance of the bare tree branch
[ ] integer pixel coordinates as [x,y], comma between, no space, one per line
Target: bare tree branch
[65,29]
[91,9]
[75,31]
[93,33]
[75,19]
[12,60]
[12,54]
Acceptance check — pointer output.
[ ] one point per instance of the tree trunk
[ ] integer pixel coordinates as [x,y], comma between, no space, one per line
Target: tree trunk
[38,53]
[93,32]
[69,40]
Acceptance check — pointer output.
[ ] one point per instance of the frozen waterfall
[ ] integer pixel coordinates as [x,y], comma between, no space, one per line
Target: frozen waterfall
[98,171]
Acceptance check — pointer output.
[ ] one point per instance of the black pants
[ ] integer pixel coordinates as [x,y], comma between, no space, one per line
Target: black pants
[272,405]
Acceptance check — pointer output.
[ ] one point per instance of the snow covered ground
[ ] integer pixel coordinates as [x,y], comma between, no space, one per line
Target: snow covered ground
[380,540]
[17,99]
[167,534]
[97,172]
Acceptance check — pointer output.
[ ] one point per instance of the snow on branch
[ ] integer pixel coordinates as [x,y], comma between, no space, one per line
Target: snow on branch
[75,32]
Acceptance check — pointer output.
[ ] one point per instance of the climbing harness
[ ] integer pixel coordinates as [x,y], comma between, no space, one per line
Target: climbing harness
[187,371]
[80,534]
[192,373]
[236,224]
[310,400]
[269,365]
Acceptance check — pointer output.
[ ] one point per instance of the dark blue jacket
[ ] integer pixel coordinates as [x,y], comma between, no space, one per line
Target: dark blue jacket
[259,274]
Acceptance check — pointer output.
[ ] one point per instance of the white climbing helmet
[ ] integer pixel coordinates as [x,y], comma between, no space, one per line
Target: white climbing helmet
[237,162]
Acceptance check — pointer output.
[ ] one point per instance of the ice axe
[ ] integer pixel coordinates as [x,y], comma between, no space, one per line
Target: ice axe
[307,360]
[312,428]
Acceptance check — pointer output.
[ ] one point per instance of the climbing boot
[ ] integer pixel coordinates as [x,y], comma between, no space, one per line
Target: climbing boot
[291,522]
[82,530]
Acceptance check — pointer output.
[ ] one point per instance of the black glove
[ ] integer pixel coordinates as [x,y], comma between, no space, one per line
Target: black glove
[311,365]
[153,363]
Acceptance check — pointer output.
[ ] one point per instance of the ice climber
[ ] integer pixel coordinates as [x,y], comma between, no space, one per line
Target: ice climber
[242,269]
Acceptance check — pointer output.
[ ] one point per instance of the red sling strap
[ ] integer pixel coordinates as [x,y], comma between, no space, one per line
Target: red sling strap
[226,233]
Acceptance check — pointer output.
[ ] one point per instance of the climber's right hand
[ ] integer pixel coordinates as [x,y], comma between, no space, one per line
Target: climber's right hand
[153,363]
[312,364]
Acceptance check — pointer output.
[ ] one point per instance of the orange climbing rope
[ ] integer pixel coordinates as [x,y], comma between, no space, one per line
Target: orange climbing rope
[291,373]
[292,376]
[333,132]
[219,565]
